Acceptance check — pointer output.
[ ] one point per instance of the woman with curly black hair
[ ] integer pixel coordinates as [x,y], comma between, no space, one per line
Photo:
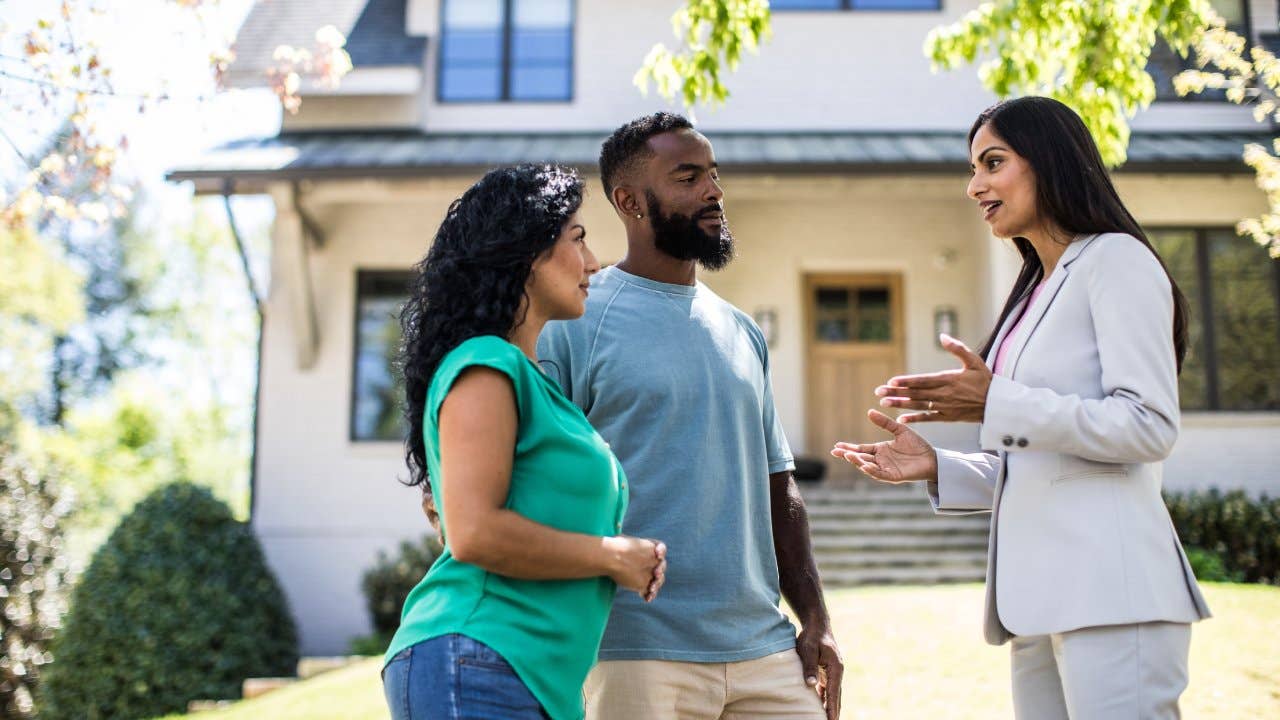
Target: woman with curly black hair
[508,620]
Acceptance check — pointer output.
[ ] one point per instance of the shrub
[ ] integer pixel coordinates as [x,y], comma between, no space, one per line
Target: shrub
[177,604]
[1208,567]
[1242,532]
[33,574]
[388,582]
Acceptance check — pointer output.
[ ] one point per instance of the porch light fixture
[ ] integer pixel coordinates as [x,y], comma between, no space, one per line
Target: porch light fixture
[944,321]
[767,319]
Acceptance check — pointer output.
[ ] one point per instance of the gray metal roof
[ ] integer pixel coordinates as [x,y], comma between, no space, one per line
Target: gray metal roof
[321,155]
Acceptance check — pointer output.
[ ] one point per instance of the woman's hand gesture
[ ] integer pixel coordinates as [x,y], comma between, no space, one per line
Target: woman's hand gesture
[904,458]
[637,564]
[958,395]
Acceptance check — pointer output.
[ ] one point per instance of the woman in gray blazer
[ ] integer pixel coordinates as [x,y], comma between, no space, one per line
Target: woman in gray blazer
[1078,403]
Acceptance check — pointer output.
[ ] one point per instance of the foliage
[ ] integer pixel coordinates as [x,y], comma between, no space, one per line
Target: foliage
[1208,566]
[64,64]
[388,582]
[1254,80]
[33,570]
[177,605]
[1090,55]
[39,300]
[1243,532]
[714,34]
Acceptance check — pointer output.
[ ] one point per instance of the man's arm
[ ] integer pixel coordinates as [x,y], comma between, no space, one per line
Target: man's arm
[798,580]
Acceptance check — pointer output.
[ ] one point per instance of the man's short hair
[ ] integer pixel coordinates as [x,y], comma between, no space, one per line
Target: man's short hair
[628,146]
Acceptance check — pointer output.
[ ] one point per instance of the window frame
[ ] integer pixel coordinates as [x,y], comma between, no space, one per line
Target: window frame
[505,62]
[1246,32]
[375,282]
[1201,307]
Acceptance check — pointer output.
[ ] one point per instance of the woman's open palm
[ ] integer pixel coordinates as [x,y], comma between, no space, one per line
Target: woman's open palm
[906,457]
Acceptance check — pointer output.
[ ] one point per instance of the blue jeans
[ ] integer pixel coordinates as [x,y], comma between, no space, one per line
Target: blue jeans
[453,677]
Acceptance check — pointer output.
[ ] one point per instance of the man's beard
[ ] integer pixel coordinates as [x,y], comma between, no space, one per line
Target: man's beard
[680,236]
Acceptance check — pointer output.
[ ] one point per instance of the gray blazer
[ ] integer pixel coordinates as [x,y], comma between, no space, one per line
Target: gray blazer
[1074,433]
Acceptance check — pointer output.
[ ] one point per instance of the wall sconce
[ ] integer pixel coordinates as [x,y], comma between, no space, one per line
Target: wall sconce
[944,321]
[767,319]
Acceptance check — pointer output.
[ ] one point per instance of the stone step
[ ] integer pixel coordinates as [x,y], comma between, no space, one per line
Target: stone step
[888,543]
[958,559]
[900,576]
[886,495]
[932,525]
[870,510]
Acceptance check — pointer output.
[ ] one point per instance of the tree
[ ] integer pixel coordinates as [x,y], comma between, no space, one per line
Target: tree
[38,300]
[1255,81]
[714,33]
[60,61]
[34,572]
[1091,56]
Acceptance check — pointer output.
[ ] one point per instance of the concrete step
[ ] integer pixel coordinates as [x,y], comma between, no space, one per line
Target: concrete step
[887,494]
[957,559]
[889,543]
[900,576]
[869,510]
[929,525]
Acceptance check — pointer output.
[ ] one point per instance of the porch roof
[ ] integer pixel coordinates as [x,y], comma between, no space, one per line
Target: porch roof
[386,154]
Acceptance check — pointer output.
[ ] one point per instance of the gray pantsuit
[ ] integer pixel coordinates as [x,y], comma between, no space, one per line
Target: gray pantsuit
[1083,557]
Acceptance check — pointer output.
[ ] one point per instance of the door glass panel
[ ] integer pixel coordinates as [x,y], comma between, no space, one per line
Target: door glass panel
[833,315]
[857,314]
[873,315]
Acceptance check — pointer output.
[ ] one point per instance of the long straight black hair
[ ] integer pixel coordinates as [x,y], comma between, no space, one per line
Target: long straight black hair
[1073,191]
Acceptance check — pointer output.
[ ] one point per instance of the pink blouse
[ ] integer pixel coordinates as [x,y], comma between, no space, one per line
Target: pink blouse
[1013,331]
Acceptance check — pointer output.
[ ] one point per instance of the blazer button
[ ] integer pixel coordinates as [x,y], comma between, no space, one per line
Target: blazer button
[1007,440]
[1022,442]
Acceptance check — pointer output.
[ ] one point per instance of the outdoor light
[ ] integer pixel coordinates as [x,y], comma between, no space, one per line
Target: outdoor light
[944,321]
[767,319]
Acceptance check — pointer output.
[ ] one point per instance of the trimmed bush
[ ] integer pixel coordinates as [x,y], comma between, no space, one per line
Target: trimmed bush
[178,604]
[387,584]
[1242,532]
[33,575]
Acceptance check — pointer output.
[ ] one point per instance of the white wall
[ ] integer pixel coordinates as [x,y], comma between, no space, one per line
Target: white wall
[821,70]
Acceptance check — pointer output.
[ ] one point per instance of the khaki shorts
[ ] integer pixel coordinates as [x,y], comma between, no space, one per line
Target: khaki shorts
[768,687]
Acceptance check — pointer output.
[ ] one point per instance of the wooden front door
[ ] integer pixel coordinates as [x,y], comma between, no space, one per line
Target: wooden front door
[854,338]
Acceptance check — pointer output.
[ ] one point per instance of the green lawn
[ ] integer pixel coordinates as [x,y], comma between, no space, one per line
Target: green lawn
[917,652]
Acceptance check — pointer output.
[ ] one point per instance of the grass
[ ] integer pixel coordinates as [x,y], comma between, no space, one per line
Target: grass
[917,652]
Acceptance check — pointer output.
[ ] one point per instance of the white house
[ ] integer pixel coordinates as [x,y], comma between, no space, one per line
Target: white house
[844,163]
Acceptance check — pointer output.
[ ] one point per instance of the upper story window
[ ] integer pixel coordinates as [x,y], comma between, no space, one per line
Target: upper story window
[1164,63]
[1233,289]
[377,386]
[855,4]
[506,50]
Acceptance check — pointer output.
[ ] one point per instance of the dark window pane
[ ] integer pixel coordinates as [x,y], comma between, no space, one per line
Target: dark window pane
[471,47]
[896,4]
[1246,316]
[465,83]
[804,4]
[873,315]
[1178,249]
[833,299]
[541,47]
[539,83]
[376,412]
[1164,63]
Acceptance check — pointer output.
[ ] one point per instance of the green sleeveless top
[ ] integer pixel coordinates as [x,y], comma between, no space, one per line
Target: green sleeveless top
[564,476]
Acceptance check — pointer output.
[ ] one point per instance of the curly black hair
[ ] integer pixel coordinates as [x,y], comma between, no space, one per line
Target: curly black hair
[628,145]
[473,278]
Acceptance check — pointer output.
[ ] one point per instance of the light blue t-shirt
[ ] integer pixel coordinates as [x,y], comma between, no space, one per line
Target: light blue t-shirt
[676,380]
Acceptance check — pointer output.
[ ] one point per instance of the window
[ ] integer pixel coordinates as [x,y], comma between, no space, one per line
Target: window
[506,50]
[377,387]
[855,5]
[1233,290]
[1164,63]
